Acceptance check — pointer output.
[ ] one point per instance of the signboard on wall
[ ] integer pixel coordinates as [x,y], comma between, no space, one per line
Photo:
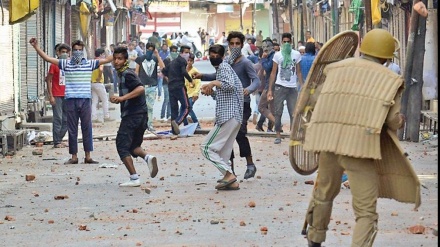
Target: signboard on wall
[169,7]
[225,8]
[234,24]
[138,18]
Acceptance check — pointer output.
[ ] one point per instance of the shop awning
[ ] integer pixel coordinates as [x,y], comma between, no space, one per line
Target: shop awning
[20,11]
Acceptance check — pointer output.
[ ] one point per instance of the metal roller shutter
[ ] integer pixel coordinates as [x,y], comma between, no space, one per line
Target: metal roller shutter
[24,48]
[17,75]
[59,24]
[48,32]
[42,66]
[397,29]
[7,78]
[74,31]
[31,61]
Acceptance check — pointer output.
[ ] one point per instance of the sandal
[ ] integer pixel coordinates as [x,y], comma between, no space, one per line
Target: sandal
[60,145]
[90,161]
[71,162]
[233,186]
[224,183]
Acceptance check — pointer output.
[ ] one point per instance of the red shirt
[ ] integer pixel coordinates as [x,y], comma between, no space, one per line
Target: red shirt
[58,86]
[253,48]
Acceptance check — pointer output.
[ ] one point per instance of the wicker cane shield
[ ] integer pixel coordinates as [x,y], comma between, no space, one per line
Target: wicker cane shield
[341,46]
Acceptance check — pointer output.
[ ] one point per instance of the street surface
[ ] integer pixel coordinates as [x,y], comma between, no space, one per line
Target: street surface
[82,205]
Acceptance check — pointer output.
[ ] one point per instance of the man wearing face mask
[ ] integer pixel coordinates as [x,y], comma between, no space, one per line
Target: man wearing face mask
[265,107]
[176,73]
[165,113]
[250,82]
[284,80]
[55,93]
[146,69]
[78,93]
[219,142]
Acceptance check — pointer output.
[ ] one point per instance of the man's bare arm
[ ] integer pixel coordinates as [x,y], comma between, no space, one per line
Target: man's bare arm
[41,53]
[272,78]
[106,60]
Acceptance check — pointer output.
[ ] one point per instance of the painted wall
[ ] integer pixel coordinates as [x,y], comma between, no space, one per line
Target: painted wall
[262,22]
[195,18]
[225,22]
[430,66]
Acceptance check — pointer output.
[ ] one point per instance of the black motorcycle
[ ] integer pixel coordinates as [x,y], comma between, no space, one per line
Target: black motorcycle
[197,53]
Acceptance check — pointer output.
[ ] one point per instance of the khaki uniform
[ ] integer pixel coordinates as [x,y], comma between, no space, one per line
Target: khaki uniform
[353,127]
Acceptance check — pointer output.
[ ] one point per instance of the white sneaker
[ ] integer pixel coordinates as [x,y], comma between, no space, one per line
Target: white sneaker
[151,128]
[152,165]
[131,183]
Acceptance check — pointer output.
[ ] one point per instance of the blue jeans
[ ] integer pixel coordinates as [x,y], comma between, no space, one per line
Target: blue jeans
[59,122]
[159,86]
[257,102]
[192,114]
[253,58]
[166,106]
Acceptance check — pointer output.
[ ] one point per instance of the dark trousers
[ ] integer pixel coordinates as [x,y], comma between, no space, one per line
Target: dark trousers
[192,114]
[242,140]
[177,96]
[79,109]
[108,74]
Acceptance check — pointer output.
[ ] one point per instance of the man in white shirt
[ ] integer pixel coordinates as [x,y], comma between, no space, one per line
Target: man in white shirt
[247,52]
[286,73]
[185,40]
[132,55]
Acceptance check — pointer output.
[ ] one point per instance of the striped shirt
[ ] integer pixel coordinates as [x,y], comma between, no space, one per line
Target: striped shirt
[229,96]
[78,78]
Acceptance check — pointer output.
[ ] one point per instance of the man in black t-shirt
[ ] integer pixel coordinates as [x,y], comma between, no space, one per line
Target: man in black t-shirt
[146,69]
[133,118]
[176,74]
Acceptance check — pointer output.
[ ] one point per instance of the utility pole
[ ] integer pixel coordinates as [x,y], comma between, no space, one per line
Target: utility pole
[289,5]
[253,14]
[275,15]
[335,15]
[412,96]
[368,18]
[241,16]
[304,19]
